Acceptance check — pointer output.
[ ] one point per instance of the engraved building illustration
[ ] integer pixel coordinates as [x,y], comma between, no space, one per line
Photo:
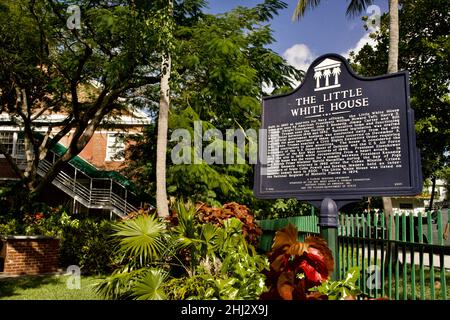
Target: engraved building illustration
[327,74]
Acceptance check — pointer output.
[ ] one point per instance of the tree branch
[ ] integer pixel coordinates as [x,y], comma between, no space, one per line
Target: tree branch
[61,133]
[81,137]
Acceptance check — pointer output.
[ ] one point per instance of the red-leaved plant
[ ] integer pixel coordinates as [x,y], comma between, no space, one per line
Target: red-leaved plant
[295,266]
[250,229]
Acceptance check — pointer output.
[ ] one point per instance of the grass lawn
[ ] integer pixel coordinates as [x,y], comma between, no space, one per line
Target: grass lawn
[47,288]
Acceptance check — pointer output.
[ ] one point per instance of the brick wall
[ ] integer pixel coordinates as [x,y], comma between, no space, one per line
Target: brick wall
[95,151]
[30,255]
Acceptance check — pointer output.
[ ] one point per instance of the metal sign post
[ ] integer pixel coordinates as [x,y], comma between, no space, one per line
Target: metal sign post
[329,223]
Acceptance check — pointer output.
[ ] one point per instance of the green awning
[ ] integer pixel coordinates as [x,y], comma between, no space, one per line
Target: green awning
[92,171]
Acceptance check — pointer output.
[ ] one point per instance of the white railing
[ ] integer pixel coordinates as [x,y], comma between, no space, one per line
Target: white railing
[94,198]
[67,180]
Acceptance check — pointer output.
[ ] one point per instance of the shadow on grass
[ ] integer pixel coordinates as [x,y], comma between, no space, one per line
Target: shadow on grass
[10,286]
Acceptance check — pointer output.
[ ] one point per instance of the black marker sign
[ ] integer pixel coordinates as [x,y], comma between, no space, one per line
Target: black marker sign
[340,136]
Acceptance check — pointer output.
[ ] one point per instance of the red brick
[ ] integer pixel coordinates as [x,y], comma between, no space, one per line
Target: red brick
[31,256]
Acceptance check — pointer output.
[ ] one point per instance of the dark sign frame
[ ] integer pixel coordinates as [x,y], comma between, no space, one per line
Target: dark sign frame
[414,186]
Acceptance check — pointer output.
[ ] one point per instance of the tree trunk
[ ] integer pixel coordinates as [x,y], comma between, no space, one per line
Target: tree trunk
[393,36]
[162,206]
[387,205]
[433,189]
[79,140]
[392,249]
[392,68]
[161,143]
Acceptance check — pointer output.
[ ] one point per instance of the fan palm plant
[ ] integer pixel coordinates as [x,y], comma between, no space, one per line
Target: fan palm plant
[150,287]
[141,242]
[140,239]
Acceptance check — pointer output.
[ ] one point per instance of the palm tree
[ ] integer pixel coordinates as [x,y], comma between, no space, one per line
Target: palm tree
[355,7]
[336,73]
[162,205]
[393,36]
[141,242]
[317,76]
[326,75]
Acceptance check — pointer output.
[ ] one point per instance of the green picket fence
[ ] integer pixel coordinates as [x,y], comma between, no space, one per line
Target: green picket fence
[305,224]
[401,257]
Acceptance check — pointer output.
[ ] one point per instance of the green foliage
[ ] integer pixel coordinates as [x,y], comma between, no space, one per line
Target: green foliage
[340,289]
[85,73]
[220,63]
[141,238]
[10,227]
[228,267]
[444,174]
[365,205]
[119,284]
[200,261]
[51,223]
[283,208]
[150,287]
[189,288]
[218,216]
[83,242]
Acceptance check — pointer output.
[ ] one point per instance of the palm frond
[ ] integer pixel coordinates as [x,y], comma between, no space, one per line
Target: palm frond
[357,6]
[301,7]
[142,238]
[150,287]
[119,284]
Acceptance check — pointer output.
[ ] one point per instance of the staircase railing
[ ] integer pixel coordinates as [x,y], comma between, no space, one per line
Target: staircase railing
[111,196]
[74,180]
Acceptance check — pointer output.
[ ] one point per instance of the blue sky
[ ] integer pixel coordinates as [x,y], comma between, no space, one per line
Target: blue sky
[325,29]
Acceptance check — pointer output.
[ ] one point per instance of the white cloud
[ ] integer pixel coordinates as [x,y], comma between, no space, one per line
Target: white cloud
[299,56]
[361,43]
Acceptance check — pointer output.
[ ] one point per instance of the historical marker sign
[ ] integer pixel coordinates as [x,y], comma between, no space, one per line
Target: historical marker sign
[340,136]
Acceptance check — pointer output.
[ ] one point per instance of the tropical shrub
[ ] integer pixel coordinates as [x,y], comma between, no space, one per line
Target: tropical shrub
[224,265]
[83,242]
[296,267]
[9,227]
[50,222]
[140,244]
[345,289]
[150,287]
[283,208]
[217,216]
[184,259]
